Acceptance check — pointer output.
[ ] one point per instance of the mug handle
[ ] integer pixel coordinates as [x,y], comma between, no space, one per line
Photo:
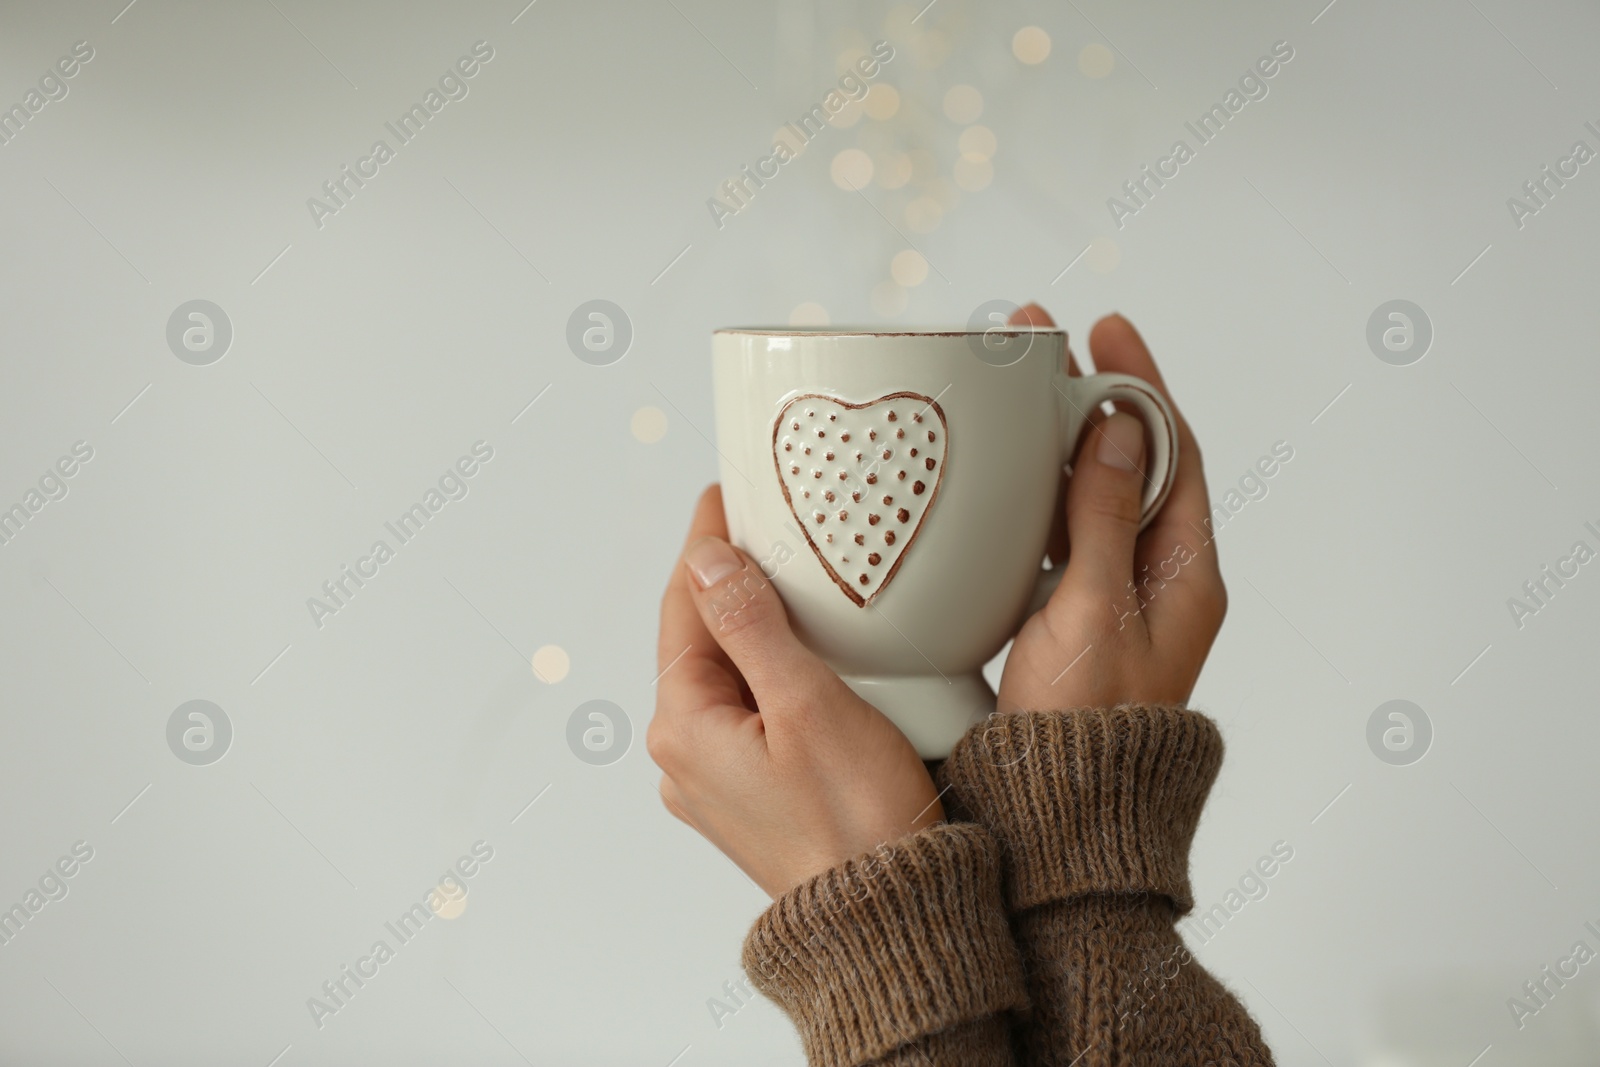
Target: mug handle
[1076,398]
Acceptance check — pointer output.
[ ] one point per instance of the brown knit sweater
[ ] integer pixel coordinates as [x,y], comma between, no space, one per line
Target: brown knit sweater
[1036,926]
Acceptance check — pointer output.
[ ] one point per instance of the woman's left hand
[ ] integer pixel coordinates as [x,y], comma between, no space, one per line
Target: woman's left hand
[1136,611]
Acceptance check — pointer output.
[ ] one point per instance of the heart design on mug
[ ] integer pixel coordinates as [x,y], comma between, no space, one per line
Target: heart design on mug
[860,480]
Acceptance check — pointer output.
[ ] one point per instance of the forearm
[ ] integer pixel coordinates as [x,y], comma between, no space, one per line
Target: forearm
[1094,811]
[903,958]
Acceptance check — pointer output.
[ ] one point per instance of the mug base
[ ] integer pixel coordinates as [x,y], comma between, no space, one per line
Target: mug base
[931,711]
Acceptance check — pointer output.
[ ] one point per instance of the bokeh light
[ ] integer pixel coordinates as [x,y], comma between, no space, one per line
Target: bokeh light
[1031,45]
[1096,60]
[963,104]
[977,142]
[931,48]
[882,102]
[851,169]
[973,173]
[551,664]
[808,314]
[447,903]
[786,136]
[649,425]
[888,299]
[908,268]
[1103,255]
[894,171]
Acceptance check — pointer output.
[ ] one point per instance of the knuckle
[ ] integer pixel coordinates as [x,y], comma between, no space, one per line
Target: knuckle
[664,740]
[1105,625]
[1123,609]
[1216,602]
[1116,504]
[804,698]
[1076,622]
[1206,604]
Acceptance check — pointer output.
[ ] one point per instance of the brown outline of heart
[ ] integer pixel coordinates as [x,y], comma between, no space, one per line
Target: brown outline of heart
[933,497]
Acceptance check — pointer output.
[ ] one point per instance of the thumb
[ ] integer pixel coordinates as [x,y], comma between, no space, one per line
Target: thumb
[1103,508]
[747,619]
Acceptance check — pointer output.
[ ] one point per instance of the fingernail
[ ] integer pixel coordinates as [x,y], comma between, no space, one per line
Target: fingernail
[710,560]
[1121,442]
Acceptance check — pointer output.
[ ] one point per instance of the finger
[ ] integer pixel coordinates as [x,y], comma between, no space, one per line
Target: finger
[709,517]
[681,626]
[1117,347]
[1103,513]
[742,612]
[695,737]
[698,690]
[1032,314]
[1056,545]
[1183,525]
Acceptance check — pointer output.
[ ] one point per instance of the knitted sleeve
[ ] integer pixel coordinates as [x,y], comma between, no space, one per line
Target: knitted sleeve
[899,958]
[1094,812]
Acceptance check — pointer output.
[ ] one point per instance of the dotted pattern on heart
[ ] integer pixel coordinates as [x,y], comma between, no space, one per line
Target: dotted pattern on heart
[860,480]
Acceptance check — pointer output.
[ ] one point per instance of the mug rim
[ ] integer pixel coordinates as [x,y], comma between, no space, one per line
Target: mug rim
[1010,329]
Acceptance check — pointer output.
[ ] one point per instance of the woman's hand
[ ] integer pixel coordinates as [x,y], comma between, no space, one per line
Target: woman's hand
[762,748]
[1135,613]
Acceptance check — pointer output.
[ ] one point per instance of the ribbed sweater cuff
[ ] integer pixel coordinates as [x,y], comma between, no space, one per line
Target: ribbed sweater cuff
[1087,800]
[890,947]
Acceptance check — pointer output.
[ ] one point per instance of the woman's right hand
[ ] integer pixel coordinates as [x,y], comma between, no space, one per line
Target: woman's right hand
[762,748]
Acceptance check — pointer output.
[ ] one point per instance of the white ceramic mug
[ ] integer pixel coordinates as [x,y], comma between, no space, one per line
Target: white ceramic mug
[898,489]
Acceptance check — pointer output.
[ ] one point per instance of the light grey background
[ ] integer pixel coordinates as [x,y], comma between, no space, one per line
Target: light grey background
[370,354]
